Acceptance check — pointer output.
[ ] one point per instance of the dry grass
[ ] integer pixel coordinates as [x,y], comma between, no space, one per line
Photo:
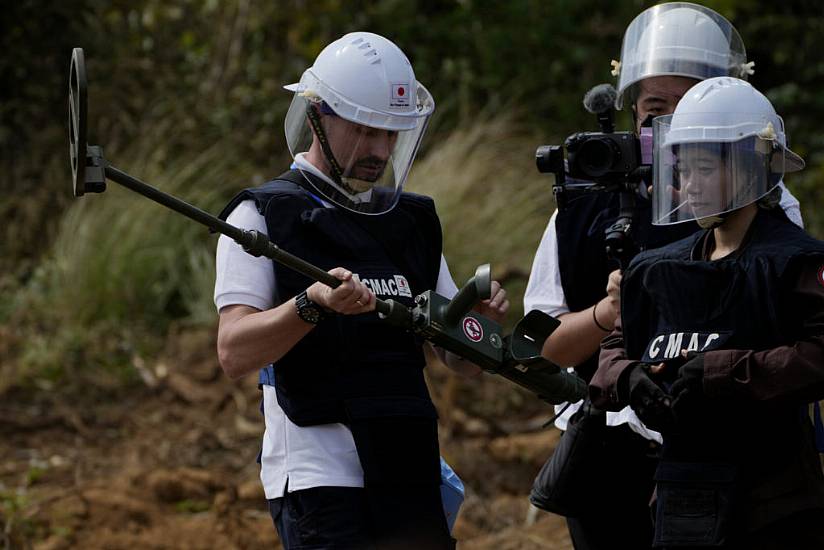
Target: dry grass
[493,203]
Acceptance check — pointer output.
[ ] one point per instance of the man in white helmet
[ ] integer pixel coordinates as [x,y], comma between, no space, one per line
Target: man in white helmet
[350,453]
[666,50]
[722,346]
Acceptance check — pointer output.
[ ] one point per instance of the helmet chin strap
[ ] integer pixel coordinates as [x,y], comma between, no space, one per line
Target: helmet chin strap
[711,222]
[337,172]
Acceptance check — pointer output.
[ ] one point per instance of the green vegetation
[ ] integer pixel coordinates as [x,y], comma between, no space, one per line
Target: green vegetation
[189,506]
[15,526]
[187,96]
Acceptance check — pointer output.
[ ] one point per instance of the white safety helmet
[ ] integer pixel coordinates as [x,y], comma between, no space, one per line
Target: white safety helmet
[678,39]
[360,113]
[723,148]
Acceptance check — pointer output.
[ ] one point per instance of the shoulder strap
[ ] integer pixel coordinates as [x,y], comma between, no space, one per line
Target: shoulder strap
[293,175]
[288,182]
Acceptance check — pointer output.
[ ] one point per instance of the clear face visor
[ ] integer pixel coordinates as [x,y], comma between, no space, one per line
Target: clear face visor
[679,39]
[357,167]
[696,179]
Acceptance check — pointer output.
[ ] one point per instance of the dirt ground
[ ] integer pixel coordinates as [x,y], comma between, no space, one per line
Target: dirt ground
[170,463]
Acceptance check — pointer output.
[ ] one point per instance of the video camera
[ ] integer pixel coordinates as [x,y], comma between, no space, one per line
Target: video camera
[605,160]
[617,162]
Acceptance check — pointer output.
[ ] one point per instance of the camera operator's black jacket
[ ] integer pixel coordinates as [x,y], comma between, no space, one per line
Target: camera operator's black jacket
[580,227]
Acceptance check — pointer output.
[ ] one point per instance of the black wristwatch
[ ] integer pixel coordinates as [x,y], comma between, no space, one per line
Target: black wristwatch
[308,310]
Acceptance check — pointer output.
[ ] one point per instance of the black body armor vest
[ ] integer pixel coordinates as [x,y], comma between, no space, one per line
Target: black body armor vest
[349,356]
[672,300]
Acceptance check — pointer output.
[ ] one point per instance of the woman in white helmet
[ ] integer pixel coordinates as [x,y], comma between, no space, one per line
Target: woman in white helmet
[350,453]
[722,345]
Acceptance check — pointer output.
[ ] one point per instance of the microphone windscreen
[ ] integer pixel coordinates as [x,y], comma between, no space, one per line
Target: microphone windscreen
[600,98]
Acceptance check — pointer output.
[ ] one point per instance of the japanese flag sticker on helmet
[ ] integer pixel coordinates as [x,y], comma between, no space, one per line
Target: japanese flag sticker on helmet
[400,94]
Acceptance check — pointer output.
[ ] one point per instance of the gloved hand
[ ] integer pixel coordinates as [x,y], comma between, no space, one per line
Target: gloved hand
[648,400]
[688,388]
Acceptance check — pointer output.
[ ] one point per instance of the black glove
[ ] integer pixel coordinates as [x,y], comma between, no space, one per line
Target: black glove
[688,389]
[648,400]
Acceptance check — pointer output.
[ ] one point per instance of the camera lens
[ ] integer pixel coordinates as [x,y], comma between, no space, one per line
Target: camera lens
[597,156]
[549,159]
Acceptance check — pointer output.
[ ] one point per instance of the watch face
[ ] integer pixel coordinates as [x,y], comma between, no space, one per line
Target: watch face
[310,314]
[307,310]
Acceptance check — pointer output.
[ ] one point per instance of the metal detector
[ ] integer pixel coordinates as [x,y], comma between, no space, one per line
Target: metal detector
[449,324]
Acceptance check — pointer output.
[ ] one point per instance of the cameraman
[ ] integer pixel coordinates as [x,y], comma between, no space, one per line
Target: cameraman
[666,50]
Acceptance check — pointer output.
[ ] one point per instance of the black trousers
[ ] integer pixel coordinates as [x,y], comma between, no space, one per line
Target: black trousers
[801,531]
[322,517]
[341,518]
[619,516]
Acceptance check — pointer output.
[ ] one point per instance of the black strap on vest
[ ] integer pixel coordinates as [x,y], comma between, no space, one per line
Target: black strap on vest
[295,176]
